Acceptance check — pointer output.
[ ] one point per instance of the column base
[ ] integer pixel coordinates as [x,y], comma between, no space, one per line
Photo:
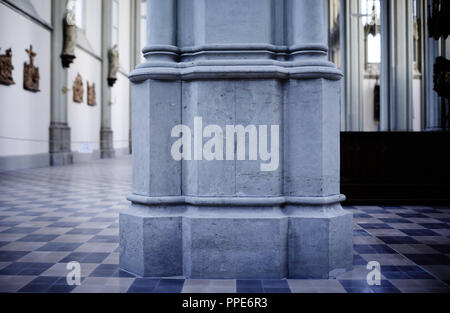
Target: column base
[106,144]
[107,154]
[60,151]
[61,159]
[236,242]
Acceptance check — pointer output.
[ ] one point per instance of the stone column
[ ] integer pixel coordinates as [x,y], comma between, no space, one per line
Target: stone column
[59,146]
[354,65]
[106,132]
[432,100]
[135,51]
[397,73]
[254,67]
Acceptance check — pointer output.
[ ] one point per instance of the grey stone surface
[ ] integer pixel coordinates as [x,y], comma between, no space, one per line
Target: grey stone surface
[107,143]
[151,244]
[235,247]
[236,242]
[60,151]
[320,243]
[20,162]
[239,62]
[156,110]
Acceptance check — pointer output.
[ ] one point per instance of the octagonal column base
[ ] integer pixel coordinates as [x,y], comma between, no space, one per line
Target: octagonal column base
[236,242]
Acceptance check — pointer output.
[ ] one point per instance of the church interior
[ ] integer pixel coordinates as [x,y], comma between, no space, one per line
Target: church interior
[66,146]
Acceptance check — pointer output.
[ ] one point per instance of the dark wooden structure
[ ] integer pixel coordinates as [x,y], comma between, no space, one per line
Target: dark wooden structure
[395,167]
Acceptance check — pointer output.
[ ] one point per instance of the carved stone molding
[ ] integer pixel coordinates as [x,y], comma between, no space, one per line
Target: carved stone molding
[78,89]
[91,94]
[31,75]
[6,68]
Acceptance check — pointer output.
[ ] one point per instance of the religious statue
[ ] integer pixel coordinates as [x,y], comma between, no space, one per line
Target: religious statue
[78,89]
[6,68]
[438,17]
[91,94]
[31,75]
[113,65]
[70,35]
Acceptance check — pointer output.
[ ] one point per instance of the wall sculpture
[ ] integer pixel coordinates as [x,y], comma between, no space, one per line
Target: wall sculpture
[31,73]
[78,89]
[113,65]
[70,36]
[91,94]
[6,68]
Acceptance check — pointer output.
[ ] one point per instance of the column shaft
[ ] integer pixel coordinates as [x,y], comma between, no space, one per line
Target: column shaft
[106,133]
[309,22]
[59,146]
[161,22]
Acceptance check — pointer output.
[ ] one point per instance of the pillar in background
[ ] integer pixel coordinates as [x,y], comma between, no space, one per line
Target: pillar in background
[60,150]
[397,66]
[245,62]
[106,132]
[135,51]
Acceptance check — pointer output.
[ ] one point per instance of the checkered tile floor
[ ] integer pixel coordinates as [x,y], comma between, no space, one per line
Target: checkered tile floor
[52,216]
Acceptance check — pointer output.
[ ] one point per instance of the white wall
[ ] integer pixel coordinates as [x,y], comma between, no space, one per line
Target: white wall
[120,112]
[84,120]
[23,114]
[44,9]
[120,93]
[93,25]
[124,34]
[26,116]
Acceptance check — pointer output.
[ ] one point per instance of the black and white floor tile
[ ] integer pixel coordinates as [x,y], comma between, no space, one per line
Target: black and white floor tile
[52,216]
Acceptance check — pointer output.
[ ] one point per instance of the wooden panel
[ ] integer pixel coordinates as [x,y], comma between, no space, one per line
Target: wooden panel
[395,167]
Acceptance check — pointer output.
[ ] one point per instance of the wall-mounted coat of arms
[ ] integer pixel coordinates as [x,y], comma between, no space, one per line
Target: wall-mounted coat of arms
[31,73]
[6,68]
[78,89]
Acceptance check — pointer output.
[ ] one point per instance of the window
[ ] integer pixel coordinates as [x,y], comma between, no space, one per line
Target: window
[115,22]
[370,13]
[79,6]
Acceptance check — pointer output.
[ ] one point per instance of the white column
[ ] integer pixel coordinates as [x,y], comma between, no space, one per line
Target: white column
[106,133]
[354,67]
[308,24]
[398,73]
[432,101]
[161,30]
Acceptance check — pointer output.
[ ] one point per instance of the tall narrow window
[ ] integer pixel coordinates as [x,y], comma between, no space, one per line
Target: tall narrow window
[370,18]
[79,13]
[371,22]
[115,22]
